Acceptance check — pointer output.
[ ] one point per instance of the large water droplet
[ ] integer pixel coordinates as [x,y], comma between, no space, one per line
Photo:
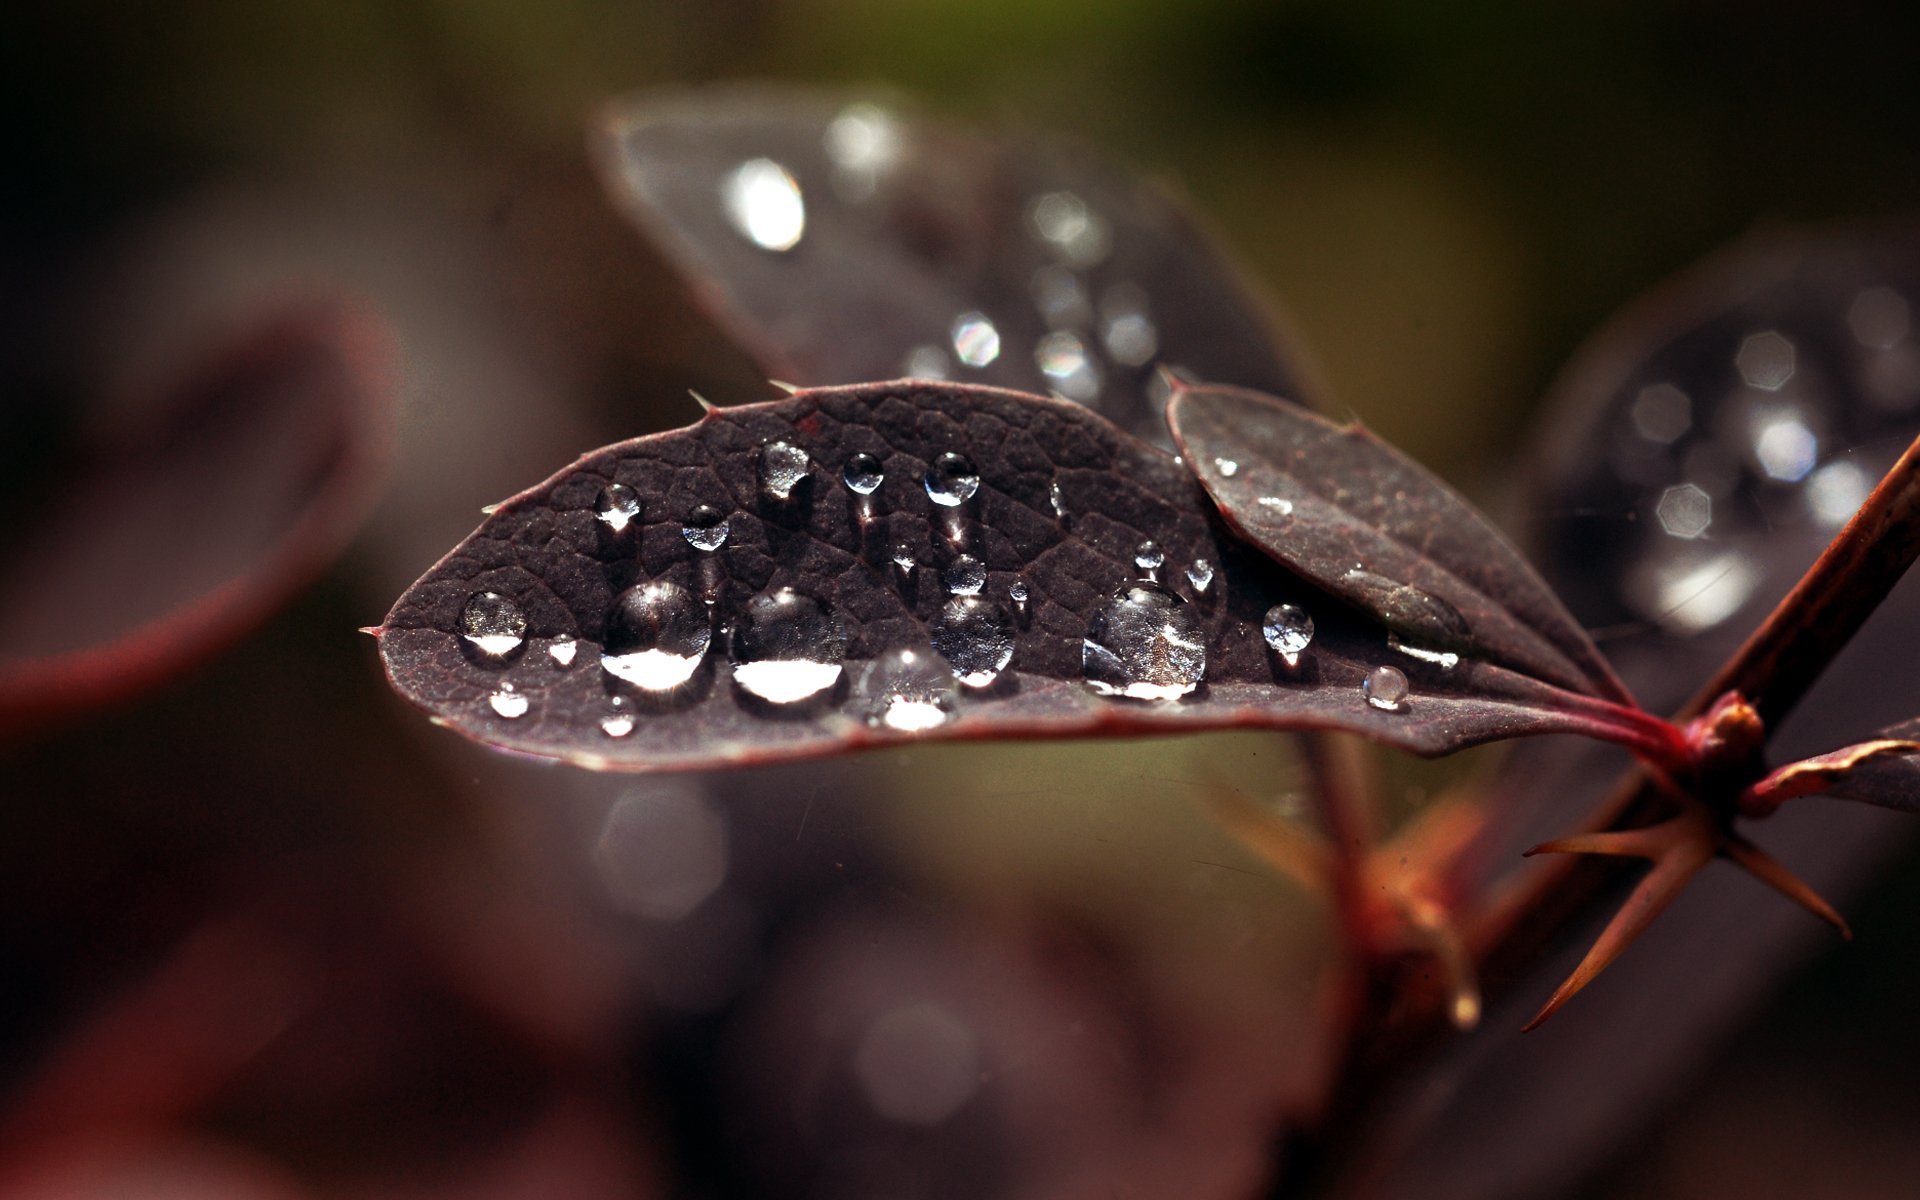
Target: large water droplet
[976,636]
[1288,628]
[863,474]
[562,650]
[975,341]
[783,467]
[1144,644]
[616,507]
[787,646]
[706,528]
[952,480]
[965,576]
[1385,688]
[908,690]
[493,624]
[656,636]
[508,702]
[763,202]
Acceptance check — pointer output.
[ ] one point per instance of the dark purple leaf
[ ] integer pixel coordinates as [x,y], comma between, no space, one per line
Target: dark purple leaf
[1053,502]
[841,241]
[1342,508]
[1889,781]
[191,511]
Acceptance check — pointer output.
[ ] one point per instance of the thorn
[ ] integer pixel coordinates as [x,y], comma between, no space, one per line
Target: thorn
[1778,876]
[487,510]
[373,630]
[783,385]
[706,405]
[1169,380]
[1679,847]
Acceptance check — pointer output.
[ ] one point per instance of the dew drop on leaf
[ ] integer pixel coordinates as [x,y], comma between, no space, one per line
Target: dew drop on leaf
[1200,576]
[562,650]
[619,722]
[976,636]
[1144,644]
[1385,688]
[493,625]
[907,690]
[656,637]
[706,528]
[508,703]
[787,646]
[965,576]
[1148,556]
[863,474]
[616,507]
[1288,628]
[783,467]
[951,480]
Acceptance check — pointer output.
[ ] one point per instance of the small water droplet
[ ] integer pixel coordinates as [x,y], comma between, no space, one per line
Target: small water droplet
[965,576]
[1148,556]
[1200,576]
[764,204]
[1277,505]
[1288,628]
[1227,467]
[562,650]
[508,702]
[1017,592]
[975,341]
[1058,501]
[656,636]
[1385,688]
[863,474]
[493,624]
[1446,660]
[783,467]
[976,636]
[1144,644]
[951,480]
[908,690]
[706,528]
[616,507]
[787,646]
[619,722]
[903,560]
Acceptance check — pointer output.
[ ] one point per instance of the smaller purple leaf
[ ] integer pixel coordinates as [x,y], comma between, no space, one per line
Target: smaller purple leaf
[1884,771]
[1359,519]
[855,567]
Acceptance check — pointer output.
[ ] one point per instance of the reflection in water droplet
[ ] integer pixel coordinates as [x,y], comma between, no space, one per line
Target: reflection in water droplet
[1227,467]
[975,341]
[1879,318]
[1064,224]
[1148,556]
[1125,328]
[863,474]
[619,722]
[1783,445]
[926,362]
[908,690]
[1765,361]
[562,650]
[965,576]
[918,1064]
[493,624]
[616,507]
[903,560]
[1058,501]
[764,204]
[1144,644]
[1446,660]
[1017,592]
[508,703]
[1385,688]
[976,636]
[1061,299]
[783,467]
[1684,511]
[1836,491]
[661,853]
[1063,359]
[1288,628]
[656,636]
[787,646]
[863,143]
[706,528]
[951,480]
[1662,413]
[1200,576]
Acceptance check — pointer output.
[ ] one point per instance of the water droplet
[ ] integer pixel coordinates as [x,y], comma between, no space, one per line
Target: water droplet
[616,507]
[1125,328]
[1058,501]
[1765,361]
[1200,576]
[1062,357]
[656,636]
[926,362]
[1144,644]
[706,528]
[1278,505]
[787,646]
[1385,688]
[965,576]
[619,722]
[783,467]
[508,702]
[493,624]
[1662,413]
[951,480]
[1064,224]
[1061,299]
[908,690]
[863,474]
[562,650]
[1446,660]
[976,636]
[1148,556]
[903,560]
[975,341]
[1226,466]
[1288,628]
[763,202]
[1684,511]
